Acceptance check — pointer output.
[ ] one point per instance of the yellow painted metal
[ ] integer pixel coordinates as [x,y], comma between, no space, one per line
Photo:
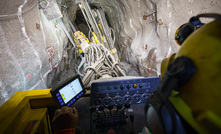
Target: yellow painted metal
[198,100]
[80,51]
[101,38]
[113,51]
[95,38]
[99,25]
[25,107]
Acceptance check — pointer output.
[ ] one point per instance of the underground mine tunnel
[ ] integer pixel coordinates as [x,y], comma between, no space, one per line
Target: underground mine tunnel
[127,66]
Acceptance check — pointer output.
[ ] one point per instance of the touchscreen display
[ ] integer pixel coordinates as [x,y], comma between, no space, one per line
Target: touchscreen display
[70,90]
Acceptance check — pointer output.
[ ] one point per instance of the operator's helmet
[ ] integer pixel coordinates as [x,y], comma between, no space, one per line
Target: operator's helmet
[196,97]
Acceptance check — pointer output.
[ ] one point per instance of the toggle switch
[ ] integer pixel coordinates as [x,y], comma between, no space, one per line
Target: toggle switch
[128,86]
[110,107]
[122,87]
[119,106]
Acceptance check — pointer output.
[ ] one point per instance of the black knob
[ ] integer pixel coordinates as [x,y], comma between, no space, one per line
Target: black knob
[128,86]
[127,105]
[100,108]
[122,87]
[119,106]
[110,107]
[92,108]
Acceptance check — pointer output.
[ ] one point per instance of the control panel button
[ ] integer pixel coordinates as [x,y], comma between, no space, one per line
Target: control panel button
[137,98]
[118,100]
[107,101]
[134,85]
[127,99]
[69,104]
[145,97]
[57,94]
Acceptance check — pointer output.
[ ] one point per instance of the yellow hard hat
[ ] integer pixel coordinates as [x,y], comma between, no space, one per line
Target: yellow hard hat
[198,101]
[188,95]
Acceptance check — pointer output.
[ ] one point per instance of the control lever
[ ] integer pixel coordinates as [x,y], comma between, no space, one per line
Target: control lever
[132,123]
[110,107]
[132,118]
[119,106]
[127,105]
[93,109]
[101,108]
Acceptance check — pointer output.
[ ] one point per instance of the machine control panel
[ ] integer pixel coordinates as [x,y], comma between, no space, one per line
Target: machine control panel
[118,104]
[132,91]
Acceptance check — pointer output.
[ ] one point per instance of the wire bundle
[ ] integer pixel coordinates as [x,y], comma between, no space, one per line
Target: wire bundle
[100,63]
[108,32]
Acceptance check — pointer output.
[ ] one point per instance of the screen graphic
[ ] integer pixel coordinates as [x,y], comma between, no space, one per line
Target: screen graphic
[70,90]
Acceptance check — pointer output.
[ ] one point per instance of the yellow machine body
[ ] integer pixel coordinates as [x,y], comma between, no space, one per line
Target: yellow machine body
[26,112]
